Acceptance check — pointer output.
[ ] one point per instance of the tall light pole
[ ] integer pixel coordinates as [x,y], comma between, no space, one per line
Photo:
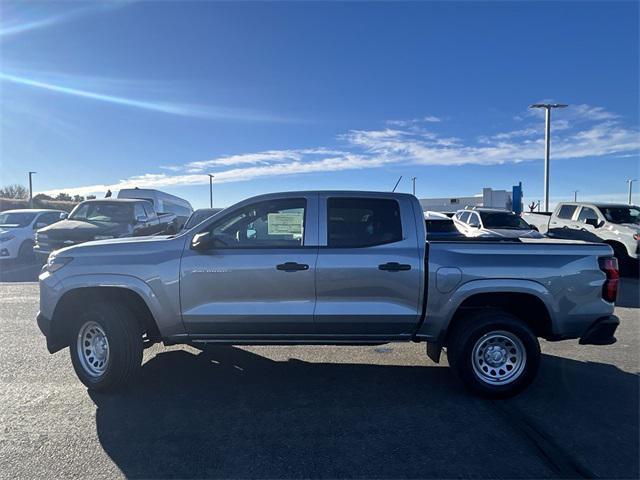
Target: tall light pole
[630,182]
[413,180]
[31,189]
[547,144]
[575,195]
[210,190]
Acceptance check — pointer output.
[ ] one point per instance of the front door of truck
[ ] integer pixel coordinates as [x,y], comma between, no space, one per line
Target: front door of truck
[257,276]
[369,273]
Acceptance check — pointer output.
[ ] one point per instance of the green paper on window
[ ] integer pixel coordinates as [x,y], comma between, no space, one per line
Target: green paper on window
[284,223]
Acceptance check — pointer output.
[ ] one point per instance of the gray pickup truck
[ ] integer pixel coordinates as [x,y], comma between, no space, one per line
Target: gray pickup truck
[347,268]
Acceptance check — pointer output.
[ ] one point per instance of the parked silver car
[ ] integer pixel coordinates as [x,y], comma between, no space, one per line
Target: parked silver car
[327,268]
[489,222]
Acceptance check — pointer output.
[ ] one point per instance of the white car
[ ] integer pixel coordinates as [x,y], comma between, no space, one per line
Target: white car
[18,230]
[488,222]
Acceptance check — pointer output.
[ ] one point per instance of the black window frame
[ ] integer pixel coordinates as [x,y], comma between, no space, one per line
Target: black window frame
[360,199]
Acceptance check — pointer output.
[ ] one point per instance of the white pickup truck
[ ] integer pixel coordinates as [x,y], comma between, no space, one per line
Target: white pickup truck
[340,268]
[617,225]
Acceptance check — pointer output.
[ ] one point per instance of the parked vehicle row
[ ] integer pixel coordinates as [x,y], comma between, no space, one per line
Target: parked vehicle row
[488,222]
[617,225]
[327,268]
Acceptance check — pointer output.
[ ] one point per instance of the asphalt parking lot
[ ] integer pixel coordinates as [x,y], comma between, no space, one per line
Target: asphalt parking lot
[330,412]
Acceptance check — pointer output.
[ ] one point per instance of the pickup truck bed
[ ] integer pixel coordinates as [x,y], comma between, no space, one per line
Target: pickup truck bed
[327,268]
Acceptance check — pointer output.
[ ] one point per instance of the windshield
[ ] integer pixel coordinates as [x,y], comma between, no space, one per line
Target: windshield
[19,219]
[440,226]
[621,214]
[505,220]
[106,212]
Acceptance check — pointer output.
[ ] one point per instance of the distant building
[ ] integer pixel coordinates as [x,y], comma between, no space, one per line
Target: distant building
[488,198]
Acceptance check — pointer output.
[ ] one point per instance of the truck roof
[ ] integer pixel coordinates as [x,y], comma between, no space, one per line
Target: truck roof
[116,200]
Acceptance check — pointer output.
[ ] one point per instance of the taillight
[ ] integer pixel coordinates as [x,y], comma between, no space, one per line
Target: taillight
[609,265]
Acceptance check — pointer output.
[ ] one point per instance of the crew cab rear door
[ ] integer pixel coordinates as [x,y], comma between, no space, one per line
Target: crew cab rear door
[257,278]
[369,272]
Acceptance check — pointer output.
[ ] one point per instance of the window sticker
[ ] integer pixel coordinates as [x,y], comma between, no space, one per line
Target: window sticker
[284,223]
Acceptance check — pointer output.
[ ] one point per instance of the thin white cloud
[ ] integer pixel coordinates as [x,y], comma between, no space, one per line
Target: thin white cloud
[414,121]
[400,146]
[181,109]
[16,22]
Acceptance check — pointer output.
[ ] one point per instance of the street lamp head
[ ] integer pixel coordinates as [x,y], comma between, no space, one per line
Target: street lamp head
[548,105]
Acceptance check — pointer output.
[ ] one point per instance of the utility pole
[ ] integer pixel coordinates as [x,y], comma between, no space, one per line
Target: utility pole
[575,195]
[210,190]
[413,179]
[547,144]
[630,182]
[31,189]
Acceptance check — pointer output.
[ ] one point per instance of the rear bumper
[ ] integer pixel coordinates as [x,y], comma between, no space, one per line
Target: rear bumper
[601,332]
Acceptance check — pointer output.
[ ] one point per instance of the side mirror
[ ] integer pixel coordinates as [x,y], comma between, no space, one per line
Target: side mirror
[63,215]
[142,219]
[201,241]
[594,222]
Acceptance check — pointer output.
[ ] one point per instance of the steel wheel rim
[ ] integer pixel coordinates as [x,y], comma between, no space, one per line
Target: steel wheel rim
[499,358]
[93,349]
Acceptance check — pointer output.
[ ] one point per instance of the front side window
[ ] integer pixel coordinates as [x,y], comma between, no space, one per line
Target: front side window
[270,224]
[49,218]
[362,222]
[566,212]
[587,214]
[138,211]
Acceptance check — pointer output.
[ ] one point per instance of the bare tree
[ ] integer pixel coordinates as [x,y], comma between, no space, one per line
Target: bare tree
[14,191]
[64,196]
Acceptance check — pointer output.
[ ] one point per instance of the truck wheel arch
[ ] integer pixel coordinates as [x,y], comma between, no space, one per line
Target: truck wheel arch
[527,307]
[62,322]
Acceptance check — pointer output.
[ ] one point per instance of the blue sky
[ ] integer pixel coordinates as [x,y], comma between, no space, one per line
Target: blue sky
[284,96]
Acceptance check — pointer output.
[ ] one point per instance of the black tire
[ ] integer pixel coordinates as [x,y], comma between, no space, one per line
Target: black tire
[124,337]
[506,330]
[25,253]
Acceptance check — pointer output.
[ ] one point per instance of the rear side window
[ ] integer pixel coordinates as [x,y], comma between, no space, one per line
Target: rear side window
[362,222]
[566,211]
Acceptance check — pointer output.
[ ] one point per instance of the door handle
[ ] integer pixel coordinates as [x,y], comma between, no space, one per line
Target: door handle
[394,267]
[292,266]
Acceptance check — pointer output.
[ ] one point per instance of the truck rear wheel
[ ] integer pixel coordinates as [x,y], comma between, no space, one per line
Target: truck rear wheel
[494,353]
[106,350]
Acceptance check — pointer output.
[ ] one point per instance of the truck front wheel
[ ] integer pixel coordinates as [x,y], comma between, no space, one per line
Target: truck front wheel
[106,350]
[494,353]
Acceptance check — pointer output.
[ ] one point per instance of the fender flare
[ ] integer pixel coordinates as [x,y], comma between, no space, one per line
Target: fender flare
[440,324]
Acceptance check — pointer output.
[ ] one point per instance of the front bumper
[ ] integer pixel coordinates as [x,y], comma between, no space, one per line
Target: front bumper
[601,331]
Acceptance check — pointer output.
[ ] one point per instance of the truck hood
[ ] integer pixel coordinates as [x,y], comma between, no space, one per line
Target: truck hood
[79,230]
[125,246]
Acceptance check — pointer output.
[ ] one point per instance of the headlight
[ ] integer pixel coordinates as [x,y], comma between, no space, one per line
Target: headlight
[7,238]
[55,263]
[41,236]
[103,237]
